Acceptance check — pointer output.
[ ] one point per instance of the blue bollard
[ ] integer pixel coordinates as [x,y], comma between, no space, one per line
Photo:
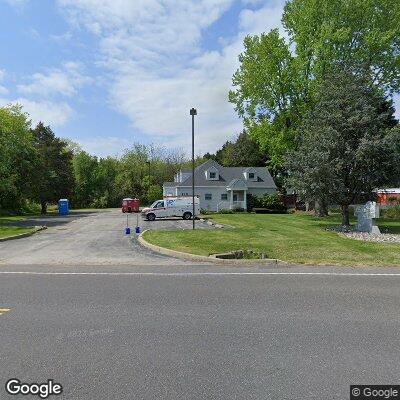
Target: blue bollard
[137,230]
[127,231]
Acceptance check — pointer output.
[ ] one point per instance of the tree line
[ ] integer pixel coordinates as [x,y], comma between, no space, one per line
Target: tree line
[38,168]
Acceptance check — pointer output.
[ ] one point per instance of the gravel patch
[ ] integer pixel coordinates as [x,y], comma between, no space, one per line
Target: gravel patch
[350,232]
[368,237]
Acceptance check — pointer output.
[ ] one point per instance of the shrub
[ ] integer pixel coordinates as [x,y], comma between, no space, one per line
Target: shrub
[100,202]
[393,200]
[30,207]
[225,211]
[205,211]
[272,202]
[252,202]
[392,212]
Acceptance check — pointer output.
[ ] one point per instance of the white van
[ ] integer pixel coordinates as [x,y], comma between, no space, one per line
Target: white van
[180,206]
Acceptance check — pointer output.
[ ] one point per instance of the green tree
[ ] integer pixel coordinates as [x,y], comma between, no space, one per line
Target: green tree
[54,173]
[85,173]
[106,186]
[275,86]
[244,151]
[154,192]
[344,148]
[18,157]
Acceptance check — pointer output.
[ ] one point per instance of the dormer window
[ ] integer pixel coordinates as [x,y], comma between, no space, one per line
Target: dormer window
[212,174]
[250,174]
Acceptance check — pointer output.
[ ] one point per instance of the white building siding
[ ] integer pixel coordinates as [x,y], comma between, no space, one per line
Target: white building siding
[216,193]
[169,191]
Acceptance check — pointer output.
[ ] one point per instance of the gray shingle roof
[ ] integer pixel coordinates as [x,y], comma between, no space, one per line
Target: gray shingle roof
[170,184]
[226,175]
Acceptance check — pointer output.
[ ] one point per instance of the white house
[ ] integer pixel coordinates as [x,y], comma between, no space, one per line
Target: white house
[221,187]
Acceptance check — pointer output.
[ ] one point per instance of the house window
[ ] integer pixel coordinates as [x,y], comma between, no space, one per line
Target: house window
[213,175]
[251,175]
[224,196]
[208,196]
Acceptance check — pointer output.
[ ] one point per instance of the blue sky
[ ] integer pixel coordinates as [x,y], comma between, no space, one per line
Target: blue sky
[108,73]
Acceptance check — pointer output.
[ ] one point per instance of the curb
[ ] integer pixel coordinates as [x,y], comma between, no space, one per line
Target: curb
[194,257]
[24,235]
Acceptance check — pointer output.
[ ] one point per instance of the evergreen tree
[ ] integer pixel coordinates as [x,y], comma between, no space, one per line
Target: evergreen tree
[347,144]
[54,173]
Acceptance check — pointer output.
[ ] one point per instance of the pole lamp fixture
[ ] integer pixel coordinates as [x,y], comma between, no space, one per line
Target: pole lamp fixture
[193,112]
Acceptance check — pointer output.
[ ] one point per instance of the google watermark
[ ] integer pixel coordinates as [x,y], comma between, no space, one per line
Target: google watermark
[43,390]
[374,392]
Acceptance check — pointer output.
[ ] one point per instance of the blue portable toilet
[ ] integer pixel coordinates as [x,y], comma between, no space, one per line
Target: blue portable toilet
[63,207]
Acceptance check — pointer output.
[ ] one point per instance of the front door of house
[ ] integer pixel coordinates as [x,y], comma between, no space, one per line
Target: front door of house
[234,197]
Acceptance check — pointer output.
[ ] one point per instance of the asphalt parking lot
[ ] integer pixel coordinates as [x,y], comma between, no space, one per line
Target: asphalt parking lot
[96,238]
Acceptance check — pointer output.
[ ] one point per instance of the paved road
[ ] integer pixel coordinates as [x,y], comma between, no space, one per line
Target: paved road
[200,336]
[87,239]
[159,328]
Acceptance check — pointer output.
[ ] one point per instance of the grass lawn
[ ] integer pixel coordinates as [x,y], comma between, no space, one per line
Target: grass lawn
[6,231]
[295,238]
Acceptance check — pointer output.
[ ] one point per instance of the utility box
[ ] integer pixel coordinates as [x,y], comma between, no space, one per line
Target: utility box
[63,207]
[130,205]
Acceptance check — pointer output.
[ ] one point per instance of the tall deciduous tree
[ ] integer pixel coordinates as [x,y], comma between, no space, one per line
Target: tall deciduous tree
[54,173]
[347,145]
[86,182]
[242,152]
[17,157]
[276,82]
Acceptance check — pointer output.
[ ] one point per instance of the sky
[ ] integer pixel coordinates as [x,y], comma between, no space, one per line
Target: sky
[109,73]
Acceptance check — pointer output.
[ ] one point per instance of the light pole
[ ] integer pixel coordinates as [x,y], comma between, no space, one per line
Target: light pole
[193,112]
[148,164]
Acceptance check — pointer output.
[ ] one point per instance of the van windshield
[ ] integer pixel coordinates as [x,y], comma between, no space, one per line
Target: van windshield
[157,204]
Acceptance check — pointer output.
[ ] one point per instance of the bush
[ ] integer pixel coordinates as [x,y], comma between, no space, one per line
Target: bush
[225,211]
[100,202]
[391,213]
[204,211]
[272,202]
[393,200]
[252,202]
[30,207]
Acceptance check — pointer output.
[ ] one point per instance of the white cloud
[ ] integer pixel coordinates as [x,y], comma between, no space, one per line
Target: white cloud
[159,67]
[53,114]
[62,38]
[263,20]
[60,81]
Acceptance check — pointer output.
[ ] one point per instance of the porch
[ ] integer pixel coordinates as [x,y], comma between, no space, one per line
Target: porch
[236,200]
